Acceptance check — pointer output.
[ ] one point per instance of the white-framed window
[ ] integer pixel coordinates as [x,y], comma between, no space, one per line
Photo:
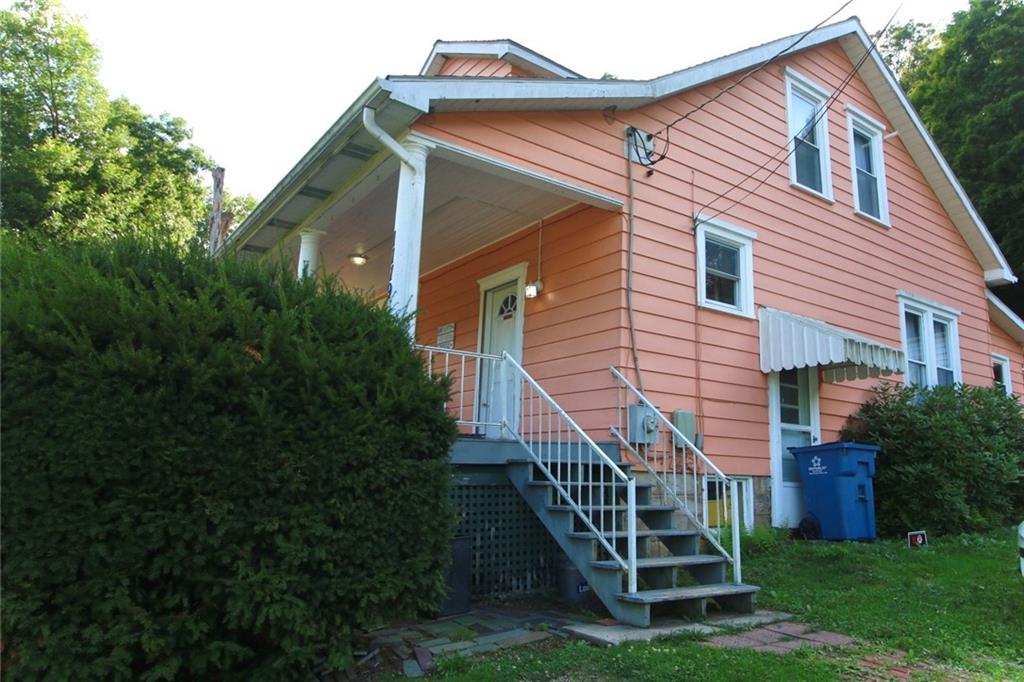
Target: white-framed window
[867,165]
[725,267]
[1001,372]
[810,165]
[931,341]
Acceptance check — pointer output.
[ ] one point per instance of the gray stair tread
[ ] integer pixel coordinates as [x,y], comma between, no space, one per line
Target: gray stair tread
[608,507]
[683,593]
[664,561]
[619,534]
[591,484]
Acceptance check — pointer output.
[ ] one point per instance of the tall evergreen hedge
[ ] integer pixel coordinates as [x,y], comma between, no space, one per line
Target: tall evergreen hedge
[952,457]
[210,470]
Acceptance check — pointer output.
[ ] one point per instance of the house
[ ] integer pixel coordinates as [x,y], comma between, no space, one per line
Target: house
[645,291]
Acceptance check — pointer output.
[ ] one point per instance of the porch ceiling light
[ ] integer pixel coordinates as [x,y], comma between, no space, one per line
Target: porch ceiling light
[357,259]
[533,288]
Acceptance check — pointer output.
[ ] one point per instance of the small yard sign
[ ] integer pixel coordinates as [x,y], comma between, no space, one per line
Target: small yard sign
[917,538]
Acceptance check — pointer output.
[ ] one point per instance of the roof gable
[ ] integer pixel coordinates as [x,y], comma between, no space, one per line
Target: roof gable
[404,98]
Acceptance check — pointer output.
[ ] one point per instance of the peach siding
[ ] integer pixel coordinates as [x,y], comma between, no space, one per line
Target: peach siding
[572,330]
[1002,344]
[479,67]
[811,257]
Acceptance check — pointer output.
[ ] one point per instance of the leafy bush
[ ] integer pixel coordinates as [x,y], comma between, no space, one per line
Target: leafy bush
[952,458]
[210,470]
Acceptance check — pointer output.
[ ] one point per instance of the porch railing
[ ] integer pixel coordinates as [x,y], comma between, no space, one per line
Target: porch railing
[472,374]
[585,478]
[683,474]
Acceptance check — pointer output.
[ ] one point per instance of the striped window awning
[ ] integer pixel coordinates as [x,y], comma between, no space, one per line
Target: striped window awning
[790,341]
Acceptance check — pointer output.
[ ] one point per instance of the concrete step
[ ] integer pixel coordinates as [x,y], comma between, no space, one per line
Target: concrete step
[664,562]
[685,593]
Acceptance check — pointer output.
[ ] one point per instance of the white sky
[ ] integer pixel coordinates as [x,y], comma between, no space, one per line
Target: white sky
[260,81]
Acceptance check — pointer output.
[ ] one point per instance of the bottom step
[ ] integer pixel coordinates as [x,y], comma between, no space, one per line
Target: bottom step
[683,593]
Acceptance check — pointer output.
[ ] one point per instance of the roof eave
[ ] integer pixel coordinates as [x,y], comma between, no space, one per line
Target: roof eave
[1005,319]
[374,95]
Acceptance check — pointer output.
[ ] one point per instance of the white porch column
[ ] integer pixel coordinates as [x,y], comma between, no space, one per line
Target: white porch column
[309,252]
[405,260]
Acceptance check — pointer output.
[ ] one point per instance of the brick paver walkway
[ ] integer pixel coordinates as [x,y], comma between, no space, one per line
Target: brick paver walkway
[780,638]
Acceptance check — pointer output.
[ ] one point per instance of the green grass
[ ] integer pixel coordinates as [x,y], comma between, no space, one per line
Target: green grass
[957,605]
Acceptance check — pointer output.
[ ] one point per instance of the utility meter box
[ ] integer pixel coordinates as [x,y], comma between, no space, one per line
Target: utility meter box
[686,422]
[643,425]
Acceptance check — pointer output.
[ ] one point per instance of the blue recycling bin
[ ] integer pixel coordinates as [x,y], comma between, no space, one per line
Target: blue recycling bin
[838,488]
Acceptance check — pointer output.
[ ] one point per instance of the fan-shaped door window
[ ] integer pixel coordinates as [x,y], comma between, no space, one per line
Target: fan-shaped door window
[507,307]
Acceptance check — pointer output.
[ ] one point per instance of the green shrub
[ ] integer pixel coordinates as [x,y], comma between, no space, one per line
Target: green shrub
[210,470]
[952,458]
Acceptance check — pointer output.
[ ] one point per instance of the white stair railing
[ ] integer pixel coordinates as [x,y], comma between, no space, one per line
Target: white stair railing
[471,373]
[683,474]
[512,403]
[585,477]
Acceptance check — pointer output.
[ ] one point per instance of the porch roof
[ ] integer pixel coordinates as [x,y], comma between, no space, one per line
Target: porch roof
[791,341]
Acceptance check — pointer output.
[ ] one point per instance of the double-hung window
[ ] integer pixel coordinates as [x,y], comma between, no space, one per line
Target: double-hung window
[867,165]
[809,162]
[725,267]
[930,341]
[1001,372]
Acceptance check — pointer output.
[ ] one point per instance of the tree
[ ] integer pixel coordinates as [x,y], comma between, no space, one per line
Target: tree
[968,85]
[76,164]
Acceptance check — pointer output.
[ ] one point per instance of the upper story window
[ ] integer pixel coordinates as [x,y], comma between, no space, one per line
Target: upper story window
[725,267]
[810,167]
[931,342]
[867,165]
[1001,372]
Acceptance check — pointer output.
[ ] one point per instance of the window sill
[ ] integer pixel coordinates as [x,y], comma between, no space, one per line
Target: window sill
[813,192]
[873,219]
[720,308]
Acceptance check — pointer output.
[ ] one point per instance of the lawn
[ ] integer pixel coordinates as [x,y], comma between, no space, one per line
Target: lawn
[956,608]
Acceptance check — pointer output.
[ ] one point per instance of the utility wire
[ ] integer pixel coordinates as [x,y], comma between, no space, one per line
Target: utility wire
[667,130]
[791,143]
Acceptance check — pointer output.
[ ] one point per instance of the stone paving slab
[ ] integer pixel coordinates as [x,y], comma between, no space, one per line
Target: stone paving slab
[610,635]
[747,620]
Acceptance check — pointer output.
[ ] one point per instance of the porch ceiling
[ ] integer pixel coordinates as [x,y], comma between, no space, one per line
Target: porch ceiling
[466,207]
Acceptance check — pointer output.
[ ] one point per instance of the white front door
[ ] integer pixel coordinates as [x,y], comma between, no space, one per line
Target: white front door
[795,421]
[501,330]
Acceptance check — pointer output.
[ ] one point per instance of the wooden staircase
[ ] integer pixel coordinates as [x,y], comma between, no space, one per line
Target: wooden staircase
[678,573]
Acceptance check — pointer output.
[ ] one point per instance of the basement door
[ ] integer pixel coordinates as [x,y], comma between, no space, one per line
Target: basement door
[501,330]
[795,421]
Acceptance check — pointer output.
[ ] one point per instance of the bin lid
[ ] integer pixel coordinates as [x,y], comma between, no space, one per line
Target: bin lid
[835,446]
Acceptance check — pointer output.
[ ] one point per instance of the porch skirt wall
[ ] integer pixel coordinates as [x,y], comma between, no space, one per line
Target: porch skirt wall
[512,551]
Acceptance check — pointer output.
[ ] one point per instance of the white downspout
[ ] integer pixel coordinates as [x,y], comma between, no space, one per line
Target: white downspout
[403,287]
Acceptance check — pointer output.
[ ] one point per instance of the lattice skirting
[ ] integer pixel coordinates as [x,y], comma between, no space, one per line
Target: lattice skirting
[512,551]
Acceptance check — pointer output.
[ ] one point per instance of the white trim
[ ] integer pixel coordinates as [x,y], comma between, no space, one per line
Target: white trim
[515,273]
[921,301]
[1005,319]
[743,240]
[858,121]
[798,84]
[775,435]
[930,312]
[1004,362]
[527,176]
[1006,275]
[504,50]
